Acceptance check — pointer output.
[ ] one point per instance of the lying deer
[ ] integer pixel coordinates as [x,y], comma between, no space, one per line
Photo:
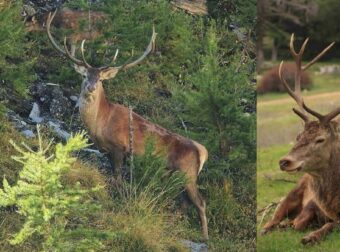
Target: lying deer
[317,154]
[70,19]
[108,125]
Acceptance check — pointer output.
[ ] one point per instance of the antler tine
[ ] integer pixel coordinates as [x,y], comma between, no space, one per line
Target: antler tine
[301,115]
[318,57]
[115,57]
[70,56]
[55,45]
[127,65]
[146,52]
[312,112]
[293,94]
[83,55]
[327,118]
[298,59]
[324,119]
[292,48]
[48,26]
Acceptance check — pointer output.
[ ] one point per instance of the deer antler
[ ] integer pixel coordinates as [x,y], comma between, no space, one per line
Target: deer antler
[127,65]
[109,70]
[65,52]
[296,94]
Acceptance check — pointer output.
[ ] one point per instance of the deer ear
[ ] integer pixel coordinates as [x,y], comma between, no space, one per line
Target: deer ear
[108,73]
[80,69]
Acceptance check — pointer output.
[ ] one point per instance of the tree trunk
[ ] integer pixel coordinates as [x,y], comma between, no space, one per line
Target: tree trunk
[260,32]
[274,51]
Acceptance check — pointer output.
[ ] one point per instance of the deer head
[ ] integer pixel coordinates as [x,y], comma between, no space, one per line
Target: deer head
[315,146]
[93,76]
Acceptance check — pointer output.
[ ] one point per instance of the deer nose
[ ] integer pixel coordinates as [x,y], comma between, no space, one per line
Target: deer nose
[91,87]
[284,163]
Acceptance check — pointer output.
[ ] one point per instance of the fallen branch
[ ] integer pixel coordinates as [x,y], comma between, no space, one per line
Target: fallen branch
[266,210]
[196,7]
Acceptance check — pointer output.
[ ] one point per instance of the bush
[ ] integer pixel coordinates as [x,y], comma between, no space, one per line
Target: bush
[217,107]
[45,202]
[15,62]
[271,82]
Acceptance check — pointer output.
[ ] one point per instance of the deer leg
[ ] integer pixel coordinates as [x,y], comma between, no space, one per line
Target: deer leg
[291,203]
[199,202]
[184,201]
[316,236]
[306,215]
[118,158]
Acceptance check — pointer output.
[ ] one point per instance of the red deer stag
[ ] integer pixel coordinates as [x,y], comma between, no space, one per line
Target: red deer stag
[107,124]
[316,153]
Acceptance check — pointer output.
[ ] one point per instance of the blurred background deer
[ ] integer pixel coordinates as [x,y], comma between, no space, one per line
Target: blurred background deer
[66,18]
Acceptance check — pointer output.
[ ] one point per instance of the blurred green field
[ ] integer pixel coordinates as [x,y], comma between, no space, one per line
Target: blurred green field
[276,122]
[277,127]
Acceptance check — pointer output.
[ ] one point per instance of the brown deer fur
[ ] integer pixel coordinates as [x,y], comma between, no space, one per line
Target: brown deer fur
[298,206]
[270,81]
[108,126]
[316,153]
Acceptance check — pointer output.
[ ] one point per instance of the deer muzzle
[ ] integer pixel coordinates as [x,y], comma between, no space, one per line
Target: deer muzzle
[289,164]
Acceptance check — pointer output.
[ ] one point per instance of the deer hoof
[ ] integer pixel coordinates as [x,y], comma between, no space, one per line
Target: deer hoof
[265,231]
[310,239]
[284,224]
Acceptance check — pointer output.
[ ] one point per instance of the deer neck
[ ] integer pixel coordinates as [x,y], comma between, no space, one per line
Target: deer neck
[91,106]
[326,185]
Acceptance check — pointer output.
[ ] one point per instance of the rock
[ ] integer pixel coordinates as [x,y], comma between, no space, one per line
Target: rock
[195,247]
[60,106]
[28,133]
[74,98]
[52,100]
[61,133]
[35,114]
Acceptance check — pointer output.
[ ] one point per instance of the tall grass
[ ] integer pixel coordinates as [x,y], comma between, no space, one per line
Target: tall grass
[140,219]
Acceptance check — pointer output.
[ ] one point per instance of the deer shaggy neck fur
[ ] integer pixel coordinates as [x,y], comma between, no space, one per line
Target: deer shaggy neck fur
[326,184]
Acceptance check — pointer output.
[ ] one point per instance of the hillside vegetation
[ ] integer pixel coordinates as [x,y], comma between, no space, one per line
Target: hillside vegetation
[197,83]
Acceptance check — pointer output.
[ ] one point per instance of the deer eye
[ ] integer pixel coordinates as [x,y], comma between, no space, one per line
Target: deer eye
[319,140]
[298,137]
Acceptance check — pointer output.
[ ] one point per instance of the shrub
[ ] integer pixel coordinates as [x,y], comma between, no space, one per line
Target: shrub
[15,63]
[45,203]
[271,81]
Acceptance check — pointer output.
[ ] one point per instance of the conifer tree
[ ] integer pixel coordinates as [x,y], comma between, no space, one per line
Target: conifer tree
[46,203]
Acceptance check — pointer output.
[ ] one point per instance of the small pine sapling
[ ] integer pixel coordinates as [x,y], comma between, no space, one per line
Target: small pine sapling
[45,202]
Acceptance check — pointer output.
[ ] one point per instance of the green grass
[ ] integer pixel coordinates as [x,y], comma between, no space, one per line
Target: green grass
[277,128]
